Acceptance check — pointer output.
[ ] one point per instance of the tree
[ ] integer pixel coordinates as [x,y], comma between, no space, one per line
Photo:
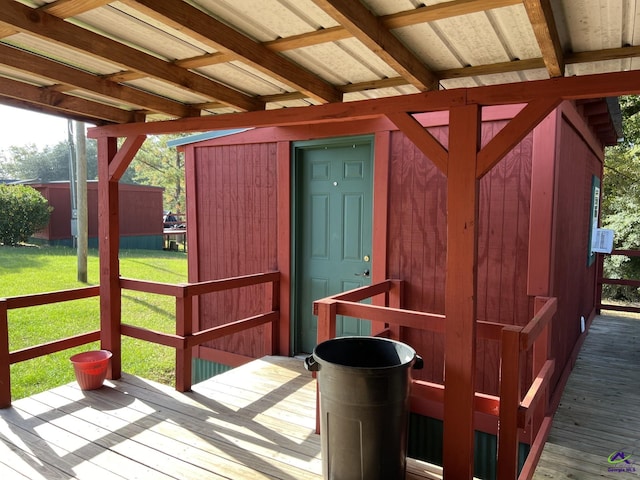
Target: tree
[159,165]
[51,163]
[621,200]
[24,212]
[47,165]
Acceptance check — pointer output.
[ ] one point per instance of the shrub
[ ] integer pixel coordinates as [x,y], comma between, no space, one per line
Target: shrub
[23,211]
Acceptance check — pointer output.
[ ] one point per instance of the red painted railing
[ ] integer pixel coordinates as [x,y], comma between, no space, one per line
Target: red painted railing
[7,357]
[514,413]
[183,340]
[602,280]
[185,337]
[529,412]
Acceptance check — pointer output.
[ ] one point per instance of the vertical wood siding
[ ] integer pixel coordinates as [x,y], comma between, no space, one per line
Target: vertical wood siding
[503,250]
[417,241]
[417,245]
[236,217]
[573,278]
[140,210]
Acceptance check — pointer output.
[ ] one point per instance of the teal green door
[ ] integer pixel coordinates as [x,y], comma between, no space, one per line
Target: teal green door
[333,231]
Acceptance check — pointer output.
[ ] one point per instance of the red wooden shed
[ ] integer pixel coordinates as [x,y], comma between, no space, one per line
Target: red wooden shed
[324,205]
[313,73]
[140,215]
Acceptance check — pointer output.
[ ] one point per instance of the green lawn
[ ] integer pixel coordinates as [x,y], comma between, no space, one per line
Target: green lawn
[25,270]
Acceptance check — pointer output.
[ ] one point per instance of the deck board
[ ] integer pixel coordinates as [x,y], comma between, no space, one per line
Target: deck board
[599,413]
[253,422]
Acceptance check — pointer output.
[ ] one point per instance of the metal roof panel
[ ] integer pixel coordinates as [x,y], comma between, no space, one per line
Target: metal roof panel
[141,32]
[60,53]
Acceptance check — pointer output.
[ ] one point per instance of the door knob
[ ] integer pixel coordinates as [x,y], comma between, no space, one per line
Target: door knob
[363,274]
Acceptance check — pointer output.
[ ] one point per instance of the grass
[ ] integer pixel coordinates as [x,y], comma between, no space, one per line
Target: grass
[25,270]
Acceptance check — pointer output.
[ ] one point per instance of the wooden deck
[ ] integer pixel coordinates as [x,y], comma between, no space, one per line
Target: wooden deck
[254,422]
[599,414]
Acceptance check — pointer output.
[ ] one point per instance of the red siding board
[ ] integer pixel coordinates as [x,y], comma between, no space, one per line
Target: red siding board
[235,220]
[417,246]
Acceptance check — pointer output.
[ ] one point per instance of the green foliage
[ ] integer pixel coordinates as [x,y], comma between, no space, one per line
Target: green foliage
[621,200]
[159,165]
[24,211]
[51,164]
[47,165]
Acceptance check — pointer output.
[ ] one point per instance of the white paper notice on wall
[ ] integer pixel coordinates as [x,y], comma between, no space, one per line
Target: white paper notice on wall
[602,240]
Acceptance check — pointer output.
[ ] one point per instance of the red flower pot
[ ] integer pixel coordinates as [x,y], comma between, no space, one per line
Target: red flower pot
[91,368]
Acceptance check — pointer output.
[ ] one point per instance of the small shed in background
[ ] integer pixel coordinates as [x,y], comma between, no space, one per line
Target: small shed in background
[140,215]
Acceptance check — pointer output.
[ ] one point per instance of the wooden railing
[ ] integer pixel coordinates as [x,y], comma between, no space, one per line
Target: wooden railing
[529,412]
[513,412]
[184,339]
[7,357]
[601,280]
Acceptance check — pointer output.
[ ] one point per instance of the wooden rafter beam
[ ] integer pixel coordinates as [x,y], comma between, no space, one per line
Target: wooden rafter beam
[603,55]
[206,29]
[204,60]
[64,105]
[323,35]
[571,88]
[51,28]
[544,27]
[328,113]
[72,78]
[47,110]
[440,11]
[120,162]
[407,18]
[492,69]
[422,139]
[517,128]
[368,28]
[71,8]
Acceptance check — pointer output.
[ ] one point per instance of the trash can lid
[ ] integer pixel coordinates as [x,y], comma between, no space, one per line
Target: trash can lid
[364,352]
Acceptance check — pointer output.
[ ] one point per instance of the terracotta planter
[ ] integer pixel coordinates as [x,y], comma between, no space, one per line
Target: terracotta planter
[91,368]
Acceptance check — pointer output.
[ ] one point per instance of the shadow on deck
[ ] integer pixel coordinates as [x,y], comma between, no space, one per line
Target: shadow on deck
[256,421]
[596,429]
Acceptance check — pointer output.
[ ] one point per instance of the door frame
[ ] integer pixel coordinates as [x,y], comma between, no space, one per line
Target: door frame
[296,148]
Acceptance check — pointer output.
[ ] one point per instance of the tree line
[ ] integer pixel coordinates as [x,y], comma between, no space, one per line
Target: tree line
[155,164]
[621,200]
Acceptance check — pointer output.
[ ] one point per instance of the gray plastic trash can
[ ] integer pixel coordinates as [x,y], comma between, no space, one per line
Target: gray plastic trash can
[364,387]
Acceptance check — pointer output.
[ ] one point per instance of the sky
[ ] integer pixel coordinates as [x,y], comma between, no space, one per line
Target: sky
[20,127]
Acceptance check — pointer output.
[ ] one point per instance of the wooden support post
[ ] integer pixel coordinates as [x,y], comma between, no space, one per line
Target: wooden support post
[382,165]
[273,328]
[327,320]
[284,247]
[109,245]
[326,331]
[184,328]
[509,404]
[395,301]
[541,351]
[460,292]
[5,369]
[599,277]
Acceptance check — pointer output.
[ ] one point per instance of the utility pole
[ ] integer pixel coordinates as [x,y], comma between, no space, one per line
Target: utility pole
[83,227]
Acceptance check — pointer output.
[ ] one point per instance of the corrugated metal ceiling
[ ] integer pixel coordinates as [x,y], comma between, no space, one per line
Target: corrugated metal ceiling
[172,58]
